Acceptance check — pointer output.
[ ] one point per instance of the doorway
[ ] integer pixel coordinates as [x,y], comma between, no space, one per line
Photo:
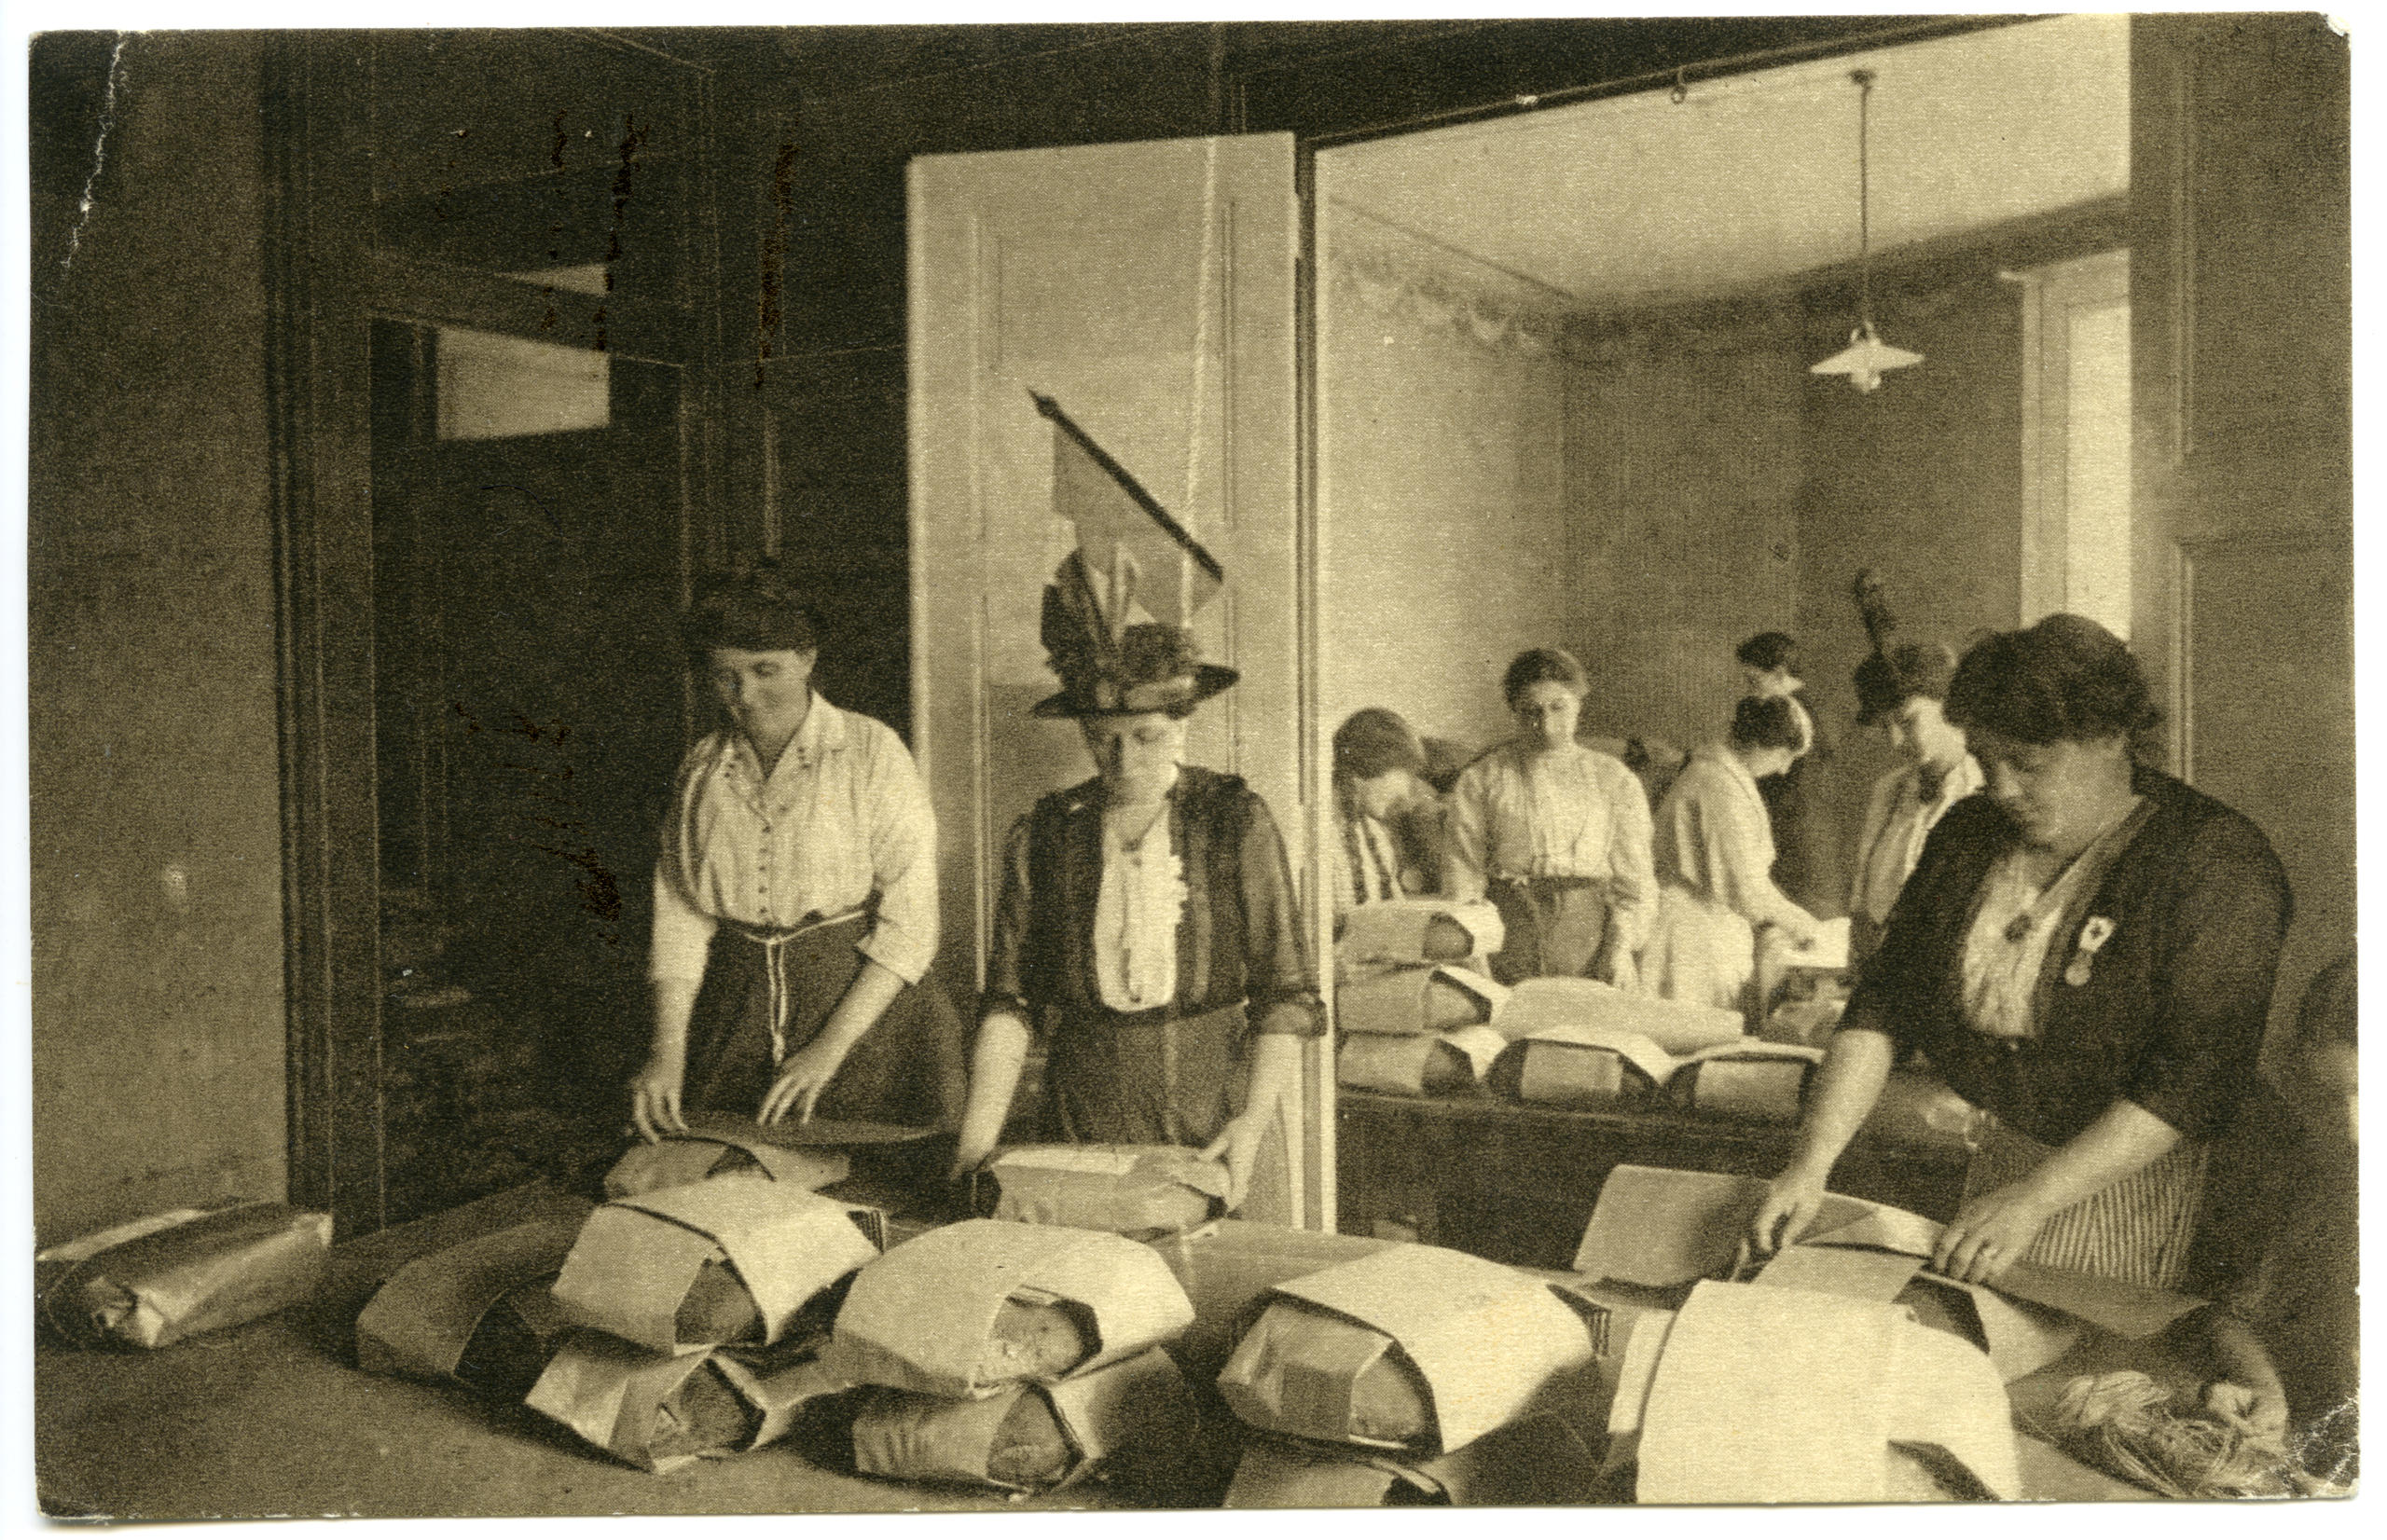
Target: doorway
[1564,399]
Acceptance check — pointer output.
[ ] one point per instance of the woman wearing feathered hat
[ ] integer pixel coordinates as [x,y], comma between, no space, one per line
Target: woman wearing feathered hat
[1903,687]
[1147,926]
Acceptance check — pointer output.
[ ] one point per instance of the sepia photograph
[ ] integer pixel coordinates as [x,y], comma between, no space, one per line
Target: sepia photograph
[928,766]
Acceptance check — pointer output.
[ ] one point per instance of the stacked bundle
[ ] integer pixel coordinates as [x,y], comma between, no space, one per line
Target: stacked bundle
[676,1322]
[1414,998]
[1022,1357]
[1416,1374]
[1141,1192]
[1580,1043]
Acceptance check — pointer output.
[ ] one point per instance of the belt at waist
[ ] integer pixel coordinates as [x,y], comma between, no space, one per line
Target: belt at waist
[766,936]
[1104,1018]
[1547,883]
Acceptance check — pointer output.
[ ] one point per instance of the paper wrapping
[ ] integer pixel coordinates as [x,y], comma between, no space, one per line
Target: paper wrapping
[1403,931]
[421,1320]
[613,1394]
[1416,1001]
[1758,1082]
[636,1258]
[1814,1389]
[914,1437]
[711,1143]
[158,1279]
[1127,1189]
[1404,1065]
[1441,1310]
[919,1318]
[1229,1268]
[1539,1007]
[1542,1461]
[1662,1228]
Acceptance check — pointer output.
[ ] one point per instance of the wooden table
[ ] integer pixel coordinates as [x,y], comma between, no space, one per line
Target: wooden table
[1516,1183]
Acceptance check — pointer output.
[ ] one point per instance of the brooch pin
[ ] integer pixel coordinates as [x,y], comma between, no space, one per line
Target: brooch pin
[2093,937]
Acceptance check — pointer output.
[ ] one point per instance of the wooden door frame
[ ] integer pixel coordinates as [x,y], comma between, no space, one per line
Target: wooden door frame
[325,285]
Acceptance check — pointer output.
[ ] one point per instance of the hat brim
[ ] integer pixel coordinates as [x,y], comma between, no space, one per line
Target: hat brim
[1208,680]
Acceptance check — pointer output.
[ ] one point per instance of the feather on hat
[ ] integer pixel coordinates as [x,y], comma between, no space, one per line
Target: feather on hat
[1129,551]
[1896,671]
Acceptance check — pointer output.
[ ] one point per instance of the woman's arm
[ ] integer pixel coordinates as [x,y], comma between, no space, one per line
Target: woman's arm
[1467,835]
[994,1079]
[1633,880]
[806,1072]
[1990,1233]
[902,936]
[1269,1088]
[1855,1068]
[683,935]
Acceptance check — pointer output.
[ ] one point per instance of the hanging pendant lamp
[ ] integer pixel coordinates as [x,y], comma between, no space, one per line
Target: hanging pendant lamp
[1867,358]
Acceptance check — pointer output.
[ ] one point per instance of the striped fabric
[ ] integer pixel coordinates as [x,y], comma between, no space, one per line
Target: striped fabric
[2136,1231]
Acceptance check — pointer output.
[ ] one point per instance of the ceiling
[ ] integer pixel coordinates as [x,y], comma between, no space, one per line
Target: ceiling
[1752,179]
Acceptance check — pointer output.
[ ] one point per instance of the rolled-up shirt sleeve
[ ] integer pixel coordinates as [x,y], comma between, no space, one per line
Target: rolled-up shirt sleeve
[2218,958]
[1006,989]
[683,933]
[903,938]
[1281,985]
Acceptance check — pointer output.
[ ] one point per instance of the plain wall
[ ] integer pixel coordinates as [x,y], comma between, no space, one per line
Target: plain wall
[157,1035]
[1444,529]
[1684,467]
[1920,481]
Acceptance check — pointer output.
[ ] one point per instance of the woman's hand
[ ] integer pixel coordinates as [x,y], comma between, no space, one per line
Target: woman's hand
[1791,1204]
[1991,1233]
[2260,1411]
[804,1075]
[655,1096]
[1238,1145]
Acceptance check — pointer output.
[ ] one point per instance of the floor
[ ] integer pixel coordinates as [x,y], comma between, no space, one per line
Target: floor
[274,1419]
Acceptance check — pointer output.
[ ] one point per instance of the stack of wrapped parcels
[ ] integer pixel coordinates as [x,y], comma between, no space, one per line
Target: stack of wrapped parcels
[1022,1357]
[1414,996]
[1429,1027]
[682,1319]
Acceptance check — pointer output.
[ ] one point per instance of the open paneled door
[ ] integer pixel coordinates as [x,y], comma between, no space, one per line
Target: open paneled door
[2240,337]
[1147,288]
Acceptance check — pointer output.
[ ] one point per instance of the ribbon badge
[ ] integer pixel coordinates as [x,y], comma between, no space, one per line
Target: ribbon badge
[2093,937]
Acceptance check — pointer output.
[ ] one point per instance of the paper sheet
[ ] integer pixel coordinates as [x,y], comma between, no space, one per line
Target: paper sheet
[918,1317]
[1536,1006]
[1443,1308]
[1396,931]
[1780,1396]
[421,1320]
[1415,1001]
[637,1256]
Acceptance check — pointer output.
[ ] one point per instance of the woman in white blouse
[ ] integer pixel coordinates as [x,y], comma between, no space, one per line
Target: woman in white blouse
[796,905]
[1715,859]
[1556,835]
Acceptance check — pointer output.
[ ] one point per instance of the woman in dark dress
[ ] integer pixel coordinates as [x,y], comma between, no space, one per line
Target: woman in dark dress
[1146,929]
[795,904]
[2086,950]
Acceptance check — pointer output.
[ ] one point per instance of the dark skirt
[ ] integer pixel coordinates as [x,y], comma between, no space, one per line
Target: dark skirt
[1151,1080]
[908,1069]
[1555,927]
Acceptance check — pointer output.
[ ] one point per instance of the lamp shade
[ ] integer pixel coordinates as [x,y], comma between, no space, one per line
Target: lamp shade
[1865,360]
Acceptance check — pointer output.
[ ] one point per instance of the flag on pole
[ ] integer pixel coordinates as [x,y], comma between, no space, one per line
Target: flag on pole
[1129,549]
